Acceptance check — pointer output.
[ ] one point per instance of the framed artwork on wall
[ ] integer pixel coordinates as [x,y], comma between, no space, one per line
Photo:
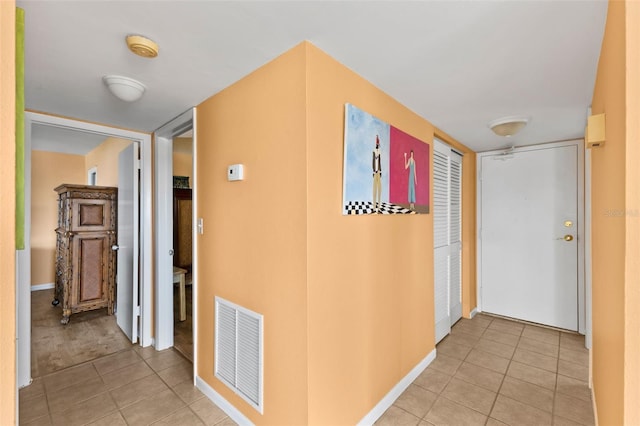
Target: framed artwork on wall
[386,171]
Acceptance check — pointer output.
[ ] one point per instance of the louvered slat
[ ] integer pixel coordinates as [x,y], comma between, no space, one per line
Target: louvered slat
[440,199]
[226,343]
[248,368]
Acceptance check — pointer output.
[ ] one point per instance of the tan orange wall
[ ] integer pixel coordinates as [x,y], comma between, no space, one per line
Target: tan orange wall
[370,279]
[350,298]
[7,212]
[105,157]
[254,248]
[632,243]
[608,225]
[183,166]
[183,158]
[49,169]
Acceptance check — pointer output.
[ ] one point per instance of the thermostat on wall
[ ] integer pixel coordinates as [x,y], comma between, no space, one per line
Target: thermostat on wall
[235,172]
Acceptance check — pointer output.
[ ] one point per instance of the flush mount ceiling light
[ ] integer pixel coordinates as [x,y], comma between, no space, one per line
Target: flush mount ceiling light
[124,88]
[142,46]
[508,126]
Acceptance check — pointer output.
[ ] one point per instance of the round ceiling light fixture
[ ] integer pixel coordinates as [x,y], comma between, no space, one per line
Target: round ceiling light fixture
[142,46]
[124,88]
[508,126]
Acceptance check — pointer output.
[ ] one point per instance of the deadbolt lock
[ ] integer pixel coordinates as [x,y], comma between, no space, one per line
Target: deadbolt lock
[568,223]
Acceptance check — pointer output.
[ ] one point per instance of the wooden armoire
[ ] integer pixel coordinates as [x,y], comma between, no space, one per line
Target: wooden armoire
[182,228]
[85,262]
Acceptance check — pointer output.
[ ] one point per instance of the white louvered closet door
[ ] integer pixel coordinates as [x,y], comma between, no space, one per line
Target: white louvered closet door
[447,191]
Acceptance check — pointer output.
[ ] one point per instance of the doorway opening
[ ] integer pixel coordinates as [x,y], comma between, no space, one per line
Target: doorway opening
[62,131]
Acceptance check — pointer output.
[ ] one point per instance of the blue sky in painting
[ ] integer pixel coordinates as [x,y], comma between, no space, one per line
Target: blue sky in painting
[360,133]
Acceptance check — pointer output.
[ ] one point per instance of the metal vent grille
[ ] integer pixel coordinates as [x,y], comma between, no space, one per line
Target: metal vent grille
[239,351]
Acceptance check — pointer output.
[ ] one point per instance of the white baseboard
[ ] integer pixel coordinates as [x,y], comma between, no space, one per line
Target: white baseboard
[595,407]
[397,390]
[224,405]
[473,313]
[45,286]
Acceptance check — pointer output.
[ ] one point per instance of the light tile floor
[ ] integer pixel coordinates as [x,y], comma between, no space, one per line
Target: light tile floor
[489,371]
[492,371]
[139,386]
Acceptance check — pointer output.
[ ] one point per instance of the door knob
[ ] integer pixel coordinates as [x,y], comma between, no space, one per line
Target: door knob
[568,237]
[115,247]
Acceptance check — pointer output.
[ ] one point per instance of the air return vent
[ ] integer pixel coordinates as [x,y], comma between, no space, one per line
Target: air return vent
[239,351]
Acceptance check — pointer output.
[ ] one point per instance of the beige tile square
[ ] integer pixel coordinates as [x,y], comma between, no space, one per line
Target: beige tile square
[126,375]
[487,360]
[465,338]
[500,337]
[576,371]
[445,364]
[572,341]
[138,390]
[507,327]
[573,387]
[561,421]
[494,422]
[85,412]
[69,377]
[34,389]
[60,400]
[177,373]
[432,380]
[395,416]
[580,357]
[534,375]
[153,408]
[528,393]
[480,321]
[446,412]
[495,348]
[116,361]
[38,421]
[187,392]
[538,347]
[469,395]
[479,376]
[164,359]
[534,359]
[544,335]
[182,417]
[469,328]
[227,422]
[146,352]
[574,409]
[451,348]
[208,412]
[416,400]
[513,412]
[113,419]
[33,408]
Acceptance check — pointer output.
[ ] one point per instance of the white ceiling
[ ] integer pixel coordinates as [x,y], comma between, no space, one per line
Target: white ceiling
[459,64]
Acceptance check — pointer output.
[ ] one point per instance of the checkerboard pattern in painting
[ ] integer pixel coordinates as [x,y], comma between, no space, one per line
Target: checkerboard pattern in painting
[366,207]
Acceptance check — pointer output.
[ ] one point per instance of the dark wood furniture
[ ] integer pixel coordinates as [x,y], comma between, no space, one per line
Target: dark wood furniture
[85,262]
[182,230]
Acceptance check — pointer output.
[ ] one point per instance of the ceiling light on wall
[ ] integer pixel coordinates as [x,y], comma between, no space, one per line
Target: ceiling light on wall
[124,88]
[508,126]
[142,46]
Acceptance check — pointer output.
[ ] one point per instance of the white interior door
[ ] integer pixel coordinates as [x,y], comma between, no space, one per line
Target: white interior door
[447,174]
[127,279]
[528,235]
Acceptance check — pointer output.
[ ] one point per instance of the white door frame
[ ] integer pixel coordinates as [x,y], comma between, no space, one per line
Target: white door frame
[164,221]
[23,257]
[584,298]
